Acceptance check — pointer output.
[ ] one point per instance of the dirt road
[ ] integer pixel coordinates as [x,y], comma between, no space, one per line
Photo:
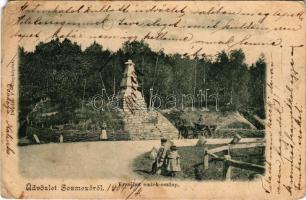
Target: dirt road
[111,159]
[85,159]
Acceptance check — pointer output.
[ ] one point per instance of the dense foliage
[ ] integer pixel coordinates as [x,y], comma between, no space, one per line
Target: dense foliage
[62,72]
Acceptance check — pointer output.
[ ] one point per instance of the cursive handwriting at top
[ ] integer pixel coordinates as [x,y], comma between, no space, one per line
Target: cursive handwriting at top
[246,40]
[176,10]
[157,22]
[109,21]
[163,35]
[105,22]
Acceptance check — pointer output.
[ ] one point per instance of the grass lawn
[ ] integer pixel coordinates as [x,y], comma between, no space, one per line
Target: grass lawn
[193,155]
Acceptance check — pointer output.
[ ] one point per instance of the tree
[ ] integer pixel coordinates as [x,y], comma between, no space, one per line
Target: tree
[59,69]
[258,85]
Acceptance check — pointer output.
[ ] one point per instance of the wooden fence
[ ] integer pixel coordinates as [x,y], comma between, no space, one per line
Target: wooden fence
[228,162]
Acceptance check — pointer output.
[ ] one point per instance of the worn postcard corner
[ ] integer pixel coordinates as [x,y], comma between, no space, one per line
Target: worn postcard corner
[153,99]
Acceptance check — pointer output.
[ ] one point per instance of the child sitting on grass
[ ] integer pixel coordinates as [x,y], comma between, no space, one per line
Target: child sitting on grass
[173,161]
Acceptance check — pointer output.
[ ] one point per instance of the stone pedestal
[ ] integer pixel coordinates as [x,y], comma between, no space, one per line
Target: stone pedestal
[139,123]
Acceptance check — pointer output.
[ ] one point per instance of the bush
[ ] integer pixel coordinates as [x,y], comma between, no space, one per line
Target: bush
[239,125]
[243,133]
[45,135]
[30,131]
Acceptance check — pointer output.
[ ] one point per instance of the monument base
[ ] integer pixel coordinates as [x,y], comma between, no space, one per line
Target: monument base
[148,125]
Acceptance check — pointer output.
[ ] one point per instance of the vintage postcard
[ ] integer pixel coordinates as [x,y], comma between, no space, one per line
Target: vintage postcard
[153,99]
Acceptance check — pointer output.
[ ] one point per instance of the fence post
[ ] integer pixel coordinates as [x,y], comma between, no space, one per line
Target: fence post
[206,157]
[229,150]
[36,139]
[61,138]
[227,169]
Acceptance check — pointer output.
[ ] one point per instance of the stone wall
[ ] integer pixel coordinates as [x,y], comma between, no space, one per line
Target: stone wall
[148,125]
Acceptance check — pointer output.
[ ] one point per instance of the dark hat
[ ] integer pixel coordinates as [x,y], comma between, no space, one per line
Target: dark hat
[163,140]
[173,148]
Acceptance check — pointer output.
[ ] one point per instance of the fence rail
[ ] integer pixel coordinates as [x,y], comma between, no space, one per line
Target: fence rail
[228,162]
[246,165]
[236,146]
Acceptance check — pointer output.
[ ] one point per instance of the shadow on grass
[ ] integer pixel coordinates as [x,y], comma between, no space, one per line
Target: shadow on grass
[189,156]
[142,171]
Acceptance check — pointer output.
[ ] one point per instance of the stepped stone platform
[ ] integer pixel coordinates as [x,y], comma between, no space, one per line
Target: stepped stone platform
[139,123]
[148,125]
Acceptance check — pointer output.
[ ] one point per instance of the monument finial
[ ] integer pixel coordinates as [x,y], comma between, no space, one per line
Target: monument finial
[132,99]
[129,62]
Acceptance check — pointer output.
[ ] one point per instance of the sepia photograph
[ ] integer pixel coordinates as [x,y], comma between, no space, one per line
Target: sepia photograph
[194,118]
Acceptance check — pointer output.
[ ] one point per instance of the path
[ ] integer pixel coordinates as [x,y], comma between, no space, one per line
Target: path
[99,159]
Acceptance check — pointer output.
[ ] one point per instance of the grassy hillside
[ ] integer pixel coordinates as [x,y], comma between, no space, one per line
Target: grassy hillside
[47,122]
[227,123]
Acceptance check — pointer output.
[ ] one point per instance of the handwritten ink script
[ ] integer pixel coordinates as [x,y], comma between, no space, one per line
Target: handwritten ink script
[285,145]
[9,105]
[10,95]
[195,26]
